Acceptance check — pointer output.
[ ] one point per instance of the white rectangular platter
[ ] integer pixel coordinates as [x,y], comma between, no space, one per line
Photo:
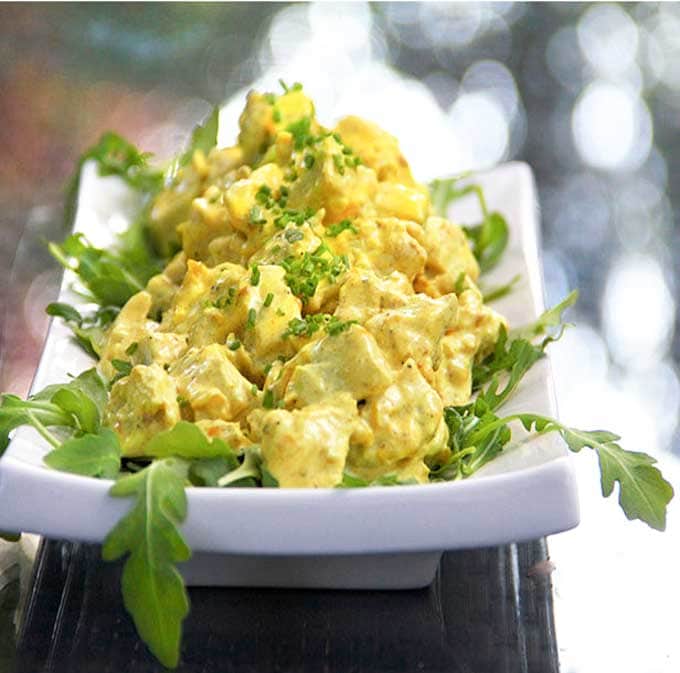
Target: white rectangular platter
[389,537]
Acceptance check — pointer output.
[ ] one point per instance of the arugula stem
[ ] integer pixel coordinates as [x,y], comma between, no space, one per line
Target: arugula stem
[500,291]
[486,430]
[131,280]
[248,468]
[42,430]
[482,201]
[55,250]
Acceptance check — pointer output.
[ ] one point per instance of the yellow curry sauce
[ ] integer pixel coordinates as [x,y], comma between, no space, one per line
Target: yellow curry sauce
[314,307]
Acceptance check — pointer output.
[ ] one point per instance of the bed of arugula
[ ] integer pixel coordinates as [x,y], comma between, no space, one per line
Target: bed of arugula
[69,416]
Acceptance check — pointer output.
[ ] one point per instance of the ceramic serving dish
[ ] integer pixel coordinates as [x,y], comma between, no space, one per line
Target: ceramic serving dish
[377,538]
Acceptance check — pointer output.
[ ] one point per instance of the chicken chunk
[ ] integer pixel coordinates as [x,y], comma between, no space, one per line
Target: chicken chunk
[471,338]
[140,406]
[213,387]
[377,149]
[322,369]
[306,447]
[130,326]
[407,426]
[448,256]
[413,331]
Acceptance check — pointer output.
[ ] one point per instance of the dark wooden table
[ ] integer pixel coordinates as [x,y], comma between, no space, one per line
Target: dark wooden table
[488,611]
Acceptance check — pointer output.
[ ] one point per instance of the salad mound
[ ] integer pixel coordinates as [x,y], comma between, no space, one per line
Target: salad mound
[316,306]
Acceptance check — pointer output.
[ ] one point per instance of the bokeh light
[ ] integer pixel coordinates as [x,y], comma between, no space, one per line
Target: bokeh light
[482,126]
[565,60]
[612,127]
[581,210]
[609,39]
[638,311]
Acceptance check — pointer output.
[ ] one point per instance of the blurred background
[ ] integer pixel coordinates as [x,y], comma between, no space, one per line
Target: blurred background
[587,94]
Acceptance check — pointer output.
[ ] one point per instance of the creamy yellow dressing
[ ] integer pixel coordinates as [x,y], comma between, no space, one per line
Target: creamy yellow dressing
[311,310]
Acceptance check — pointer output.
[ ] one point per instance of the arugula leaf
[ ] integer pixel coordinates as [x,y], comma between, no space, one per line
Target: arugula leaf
[208,471]
[89,331]
[517,355]
[249,472]
[468,452]
[488,239]
[85,397]
[110,276]
[117,156]
[350,480]
[499,291]
[153,590]
[517,359]
[186,440]
[65,311]
[123,369]
[477,436]
[268,479]
[552,318]
[114,156]
[204,136]
[92,455]
[643,492]
[40,414]
[78,405]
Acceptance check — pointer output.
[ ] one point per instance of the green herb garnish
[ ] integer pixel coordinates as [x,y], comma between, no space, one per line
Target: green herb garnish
[252,315]
[90,455]
[338,227]
[153,590]
[300,130]
[306,271]
[89,330]
[268,399]
[310,324]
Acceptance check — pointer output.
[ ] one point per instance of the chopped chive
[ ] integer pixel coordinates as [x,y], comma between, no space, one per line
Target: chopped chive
[122,366]
[252,314]
[339,165]
[268,399]
[338,227]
